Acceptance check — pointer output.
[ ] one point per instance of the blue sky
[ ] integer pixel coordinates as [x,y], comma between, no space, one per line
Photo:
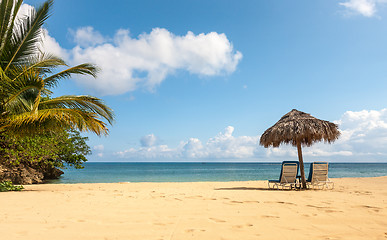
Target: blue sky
[201,80]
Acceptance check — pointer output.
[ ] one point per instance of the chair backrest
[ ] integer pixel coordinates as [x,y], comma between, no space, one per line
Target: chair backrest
[318,172]
[289,172]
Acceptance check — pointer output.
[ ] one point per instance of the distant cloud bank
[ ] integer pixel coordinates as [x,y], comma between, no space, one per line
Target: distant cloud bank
[145,62]
[363,138]
[367,8]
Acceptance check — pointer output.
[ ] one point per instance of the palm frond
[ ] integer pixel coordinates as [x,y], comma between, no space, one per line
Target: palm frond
[44,63]
[3,75]
[27,74]
[54,119]
[27,33]
[6,7]
[8,13]
[21,95]
[85,103]
[18,103]
[82,69]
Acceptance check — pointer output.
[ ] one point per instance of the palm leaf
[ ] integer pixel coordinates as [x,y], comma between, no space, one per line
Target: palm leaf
[82,69]
[19,96]
[6,24]
[86,103]
[54,119]
[44,63]
[27,33]
[26,76]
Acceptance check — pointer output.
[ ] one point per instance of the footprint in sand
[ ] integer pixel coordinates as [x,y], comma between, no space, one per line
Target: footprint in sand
[332,211]
[193,230]
[279,202]
[375,209]
[318,207]
[241,226]
[217,220]
[363,192]
[269,216]
[289,203]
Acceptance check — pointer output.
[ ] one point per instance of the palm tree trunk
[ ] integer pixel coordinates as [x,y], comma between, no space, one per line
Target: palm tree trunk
[301,164]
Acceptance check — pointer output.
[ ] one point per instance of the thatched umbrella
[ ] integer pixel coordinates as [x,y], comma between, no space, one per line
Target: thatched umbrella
[299,128]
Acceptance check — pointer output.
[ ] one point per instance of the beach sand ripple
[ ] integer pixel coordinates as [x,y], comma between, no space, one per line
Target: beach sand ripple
[355,209]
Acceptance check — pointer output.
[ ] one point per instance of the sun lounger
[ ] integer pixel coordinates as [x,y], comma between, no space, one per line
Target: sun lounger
[287,177]
[318,176]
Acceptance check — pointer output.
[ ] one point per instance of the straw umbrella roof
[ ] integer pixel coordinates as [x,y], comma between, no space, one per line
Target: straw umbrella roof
[297,126]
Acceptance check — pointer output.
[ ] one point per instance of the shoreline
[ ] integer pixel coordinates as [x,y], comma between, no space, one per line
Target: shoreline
[355,209]
[197,172]
[47,183]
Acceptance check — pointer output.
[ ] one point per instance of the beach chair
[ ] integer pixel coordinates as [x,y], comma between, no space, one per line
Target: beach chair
[287,177]
[318,176]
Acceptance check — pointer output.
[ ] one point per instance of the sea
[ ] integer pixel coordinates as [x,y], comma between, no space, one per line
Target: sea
[110,172]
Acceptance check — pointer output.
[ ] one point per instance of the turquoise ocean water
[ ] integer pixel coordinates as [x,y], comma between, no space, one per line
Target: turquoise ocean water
[198,172]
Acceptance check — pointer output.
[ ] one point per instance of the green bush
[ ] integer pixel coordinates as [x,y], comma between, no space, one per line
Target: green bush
[8,186]
[65,147]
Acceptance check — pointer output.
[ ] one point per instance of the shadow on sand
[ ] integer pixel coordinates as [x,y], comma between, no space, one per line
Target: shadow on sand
[252,189]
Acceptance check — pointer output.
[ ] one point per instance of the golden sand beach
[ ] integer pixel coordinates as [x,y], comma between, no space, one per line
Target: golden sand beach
[355,209]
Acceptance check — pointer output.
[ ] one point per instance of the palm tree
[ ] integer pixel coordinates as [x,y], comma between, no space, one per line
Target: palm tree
[27,76]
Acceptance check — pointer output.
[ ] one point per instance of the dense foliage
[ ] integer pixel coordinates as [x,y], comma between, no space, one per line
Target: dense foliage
[38,130]
[8,186]
[46,149]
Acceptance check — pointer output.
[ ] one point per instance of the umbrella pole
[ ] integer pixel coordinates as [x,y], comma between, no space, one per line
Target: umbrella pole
[301,164]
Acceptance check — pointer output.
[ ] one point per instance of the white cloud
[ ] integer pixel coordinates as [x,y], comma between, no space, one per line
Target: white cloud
[223,146]
[129,63]
[99,147]
[153,152]
[24,10]
[50,45]
[87,36]
[148,140]
[364,132]
[363,138]
[144,62]
[367,8]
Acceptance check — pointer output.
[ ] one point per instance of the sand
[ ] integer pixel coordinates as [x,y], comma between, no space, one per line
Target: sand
[355,209]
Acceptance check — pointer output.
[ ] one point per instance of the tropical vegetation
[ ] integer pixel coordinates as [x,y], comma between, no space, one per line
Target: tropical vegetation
[27,78]
[8,186]
[29,114]
[65,148]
